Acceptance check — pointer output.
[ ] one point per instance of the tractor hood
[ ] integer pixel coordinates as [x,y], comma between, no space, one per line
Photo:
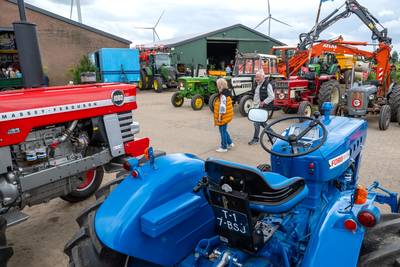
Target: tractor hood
[344,142]
[368,89]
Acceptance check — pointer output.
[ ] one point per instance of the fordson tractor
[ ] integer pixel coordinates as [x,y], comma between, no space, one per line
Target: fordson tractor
[307,209]
[156,71]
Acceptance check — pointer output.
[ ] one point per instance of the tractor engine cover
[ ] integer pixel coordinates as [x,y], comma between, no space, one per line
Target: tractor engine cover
[358,98]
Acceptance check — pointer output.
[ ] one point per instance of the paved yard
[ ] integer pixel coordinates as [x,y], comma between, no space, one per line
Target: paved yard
[40,240]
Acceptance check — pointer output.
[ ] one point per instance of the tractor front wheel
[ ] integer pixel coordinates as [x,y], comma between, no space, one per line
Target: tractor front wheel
[91,181]
[177,100]
[197,102]
[143,81]
[305,109]
[329,92]
[381,244]
[211,101]
[384,117]
[246,103]
[158,85]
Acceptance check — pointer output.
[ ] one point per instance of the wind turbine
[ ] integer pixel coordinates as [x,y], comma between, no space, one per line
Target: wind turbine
[153,28]
[269,18]
[78,7]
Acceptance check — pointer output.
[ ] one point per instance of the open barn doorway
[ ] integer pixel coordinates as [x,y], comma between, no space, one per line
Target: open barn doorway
[220,54]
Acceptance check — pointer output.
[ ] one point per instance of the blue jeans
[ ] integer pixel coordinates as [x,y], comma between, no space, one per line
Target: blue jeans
[225,138]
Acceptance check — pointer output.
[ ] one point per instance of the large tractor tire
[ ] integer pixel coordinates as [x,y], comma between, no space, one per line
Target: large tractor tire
[158,84]
[384,117]
[394,102]
[381,245]
[6,251]
[211,101]
[85,249]
[91,182]
[347,78]
[177,100]
[245,104]
[197,102]
[329,92]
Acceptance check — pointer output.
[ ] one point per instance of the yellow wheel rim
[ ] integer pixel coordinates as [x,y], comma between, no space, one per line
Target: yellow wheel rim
[198,103]
[140,84]
[155,85]
[178,100]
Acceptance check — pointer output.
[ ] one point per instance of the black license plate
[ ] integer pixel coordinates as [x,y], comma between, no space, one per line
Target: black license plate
[232,221]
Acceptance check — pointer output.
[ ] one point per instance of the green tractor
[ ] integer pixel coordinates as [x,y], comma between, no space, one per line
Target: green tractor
[325,64]
[157,72]
[198,89]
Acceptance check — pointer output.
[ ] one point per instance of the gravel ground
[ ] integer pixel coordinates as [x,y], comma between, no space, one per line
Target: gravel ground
[40,240]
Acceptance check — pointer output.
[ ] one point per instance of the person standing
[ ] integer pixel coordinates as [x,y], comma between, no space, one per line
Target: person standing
[263,98]
[223,114]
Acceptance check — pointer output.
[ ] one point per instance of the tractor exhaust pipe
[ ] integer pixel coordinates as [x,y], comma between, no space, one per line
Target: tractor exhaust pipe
[28,50]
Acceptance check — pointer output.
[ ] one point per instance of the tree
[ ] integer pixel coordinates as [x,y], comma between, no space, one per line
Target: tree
[395,57]
[85,65]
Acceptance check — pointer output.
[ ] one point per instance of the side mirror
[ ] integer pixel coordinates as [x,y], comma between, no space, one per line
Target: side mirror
[258,115]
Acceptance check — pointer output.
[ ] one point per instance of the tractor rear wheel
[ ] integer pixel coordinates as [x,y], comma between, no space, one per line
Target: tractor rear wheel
[177,100]
[384,117]
[91,182]
[394,102]
[305,109]
[211,101]
[329,92]
[158,84]
[245,104]
[142,82]
[85,249]
[381,245]
[347,78]
[197,102]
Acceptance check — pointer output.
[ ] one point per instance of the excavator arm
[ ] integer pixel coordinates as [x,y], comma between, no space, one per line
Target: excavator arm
[351,7]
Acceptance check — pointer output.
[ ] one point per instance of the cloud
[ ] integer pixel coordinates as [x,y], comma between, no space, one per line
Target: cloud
[182,18]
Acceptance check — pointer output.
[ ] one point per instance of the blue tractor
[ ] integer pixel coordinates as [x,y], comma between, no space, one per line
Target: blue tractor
[307,209]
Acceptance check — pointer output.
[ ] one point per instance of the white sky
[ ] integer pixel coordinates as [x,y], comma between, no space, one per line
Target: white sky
[120,17]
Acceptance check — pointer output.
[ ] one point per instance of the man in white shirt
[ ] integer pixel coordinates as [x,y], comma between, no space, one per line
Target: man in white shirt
[263,98]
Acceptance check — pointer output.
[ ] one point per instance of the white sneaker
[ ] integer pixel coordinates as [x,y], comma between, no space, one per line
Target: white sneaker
[222,150]
[231,145]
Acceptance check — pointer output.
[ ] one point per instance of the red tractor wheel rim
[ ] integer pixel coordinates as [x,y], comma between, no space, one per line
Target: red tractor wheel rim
[89,179]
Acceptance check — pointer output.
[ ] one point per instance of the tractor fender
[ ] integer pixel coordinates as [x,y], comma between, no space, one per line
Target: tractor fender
[332,245]
[148,71]
[148,216]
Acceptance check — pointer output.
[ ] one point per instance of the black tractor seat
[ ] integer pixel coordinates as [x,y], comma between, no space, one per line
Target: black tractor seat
[267,191]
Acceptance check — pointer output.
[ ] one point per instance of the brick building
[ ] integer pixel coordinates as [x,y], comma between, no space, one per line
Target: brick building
[62,41]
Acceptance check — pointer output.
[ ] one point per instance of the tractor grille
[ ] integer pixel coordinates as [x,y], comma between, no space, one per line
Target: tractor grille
[125,123]
[281,85]
[357,100]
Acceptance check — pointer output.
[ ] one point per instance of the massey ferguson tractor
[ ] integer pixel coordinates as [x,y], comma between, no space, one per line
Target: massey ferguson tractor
[307,209]
[59,141]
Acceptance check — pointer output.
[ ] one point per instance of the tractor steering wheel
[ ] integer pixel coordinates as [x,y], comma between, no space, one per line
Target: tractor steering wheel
[294,140]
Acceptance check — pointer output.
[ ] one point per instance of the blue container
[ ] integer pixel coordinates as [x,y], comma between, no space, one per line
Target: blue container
[117,64]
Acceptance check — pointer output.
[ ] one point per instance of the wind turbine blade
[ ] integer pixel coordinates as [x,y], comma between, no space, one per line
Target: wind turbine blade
[72,7]
[159,18]
[269,9]
[277,20]
[157,34]
[147,28]
[259,24]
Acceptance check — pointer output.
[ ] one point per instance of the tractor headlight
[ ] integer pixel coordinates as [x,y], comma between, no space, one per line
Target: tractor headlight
[371,97]
[181,86]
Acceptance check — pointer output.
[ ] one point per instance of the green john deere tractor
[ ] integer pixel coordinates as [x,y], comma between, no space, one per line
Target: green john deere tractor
[198,89]
[157,73]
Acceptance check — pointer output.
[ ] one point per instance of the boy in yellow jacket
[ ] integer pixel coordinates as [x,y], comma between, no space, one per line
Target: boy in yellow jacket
[223,114]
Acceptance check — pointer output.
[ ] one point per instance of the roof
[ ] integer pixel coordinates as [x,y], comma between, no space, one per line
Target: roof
[193,37]
[72,22]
